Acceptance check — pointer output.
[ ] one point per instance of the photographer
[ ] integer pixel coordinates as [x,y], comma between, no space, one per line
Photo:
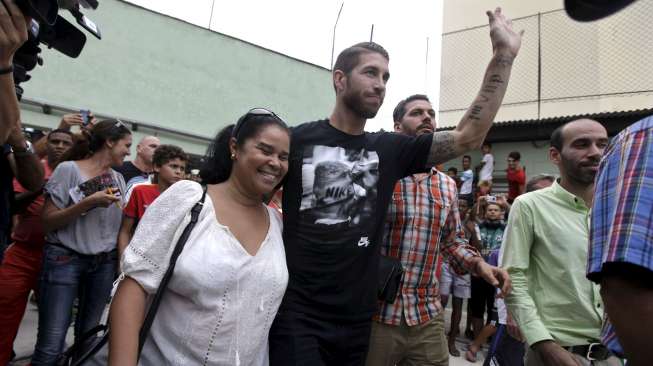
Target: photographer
[28,170]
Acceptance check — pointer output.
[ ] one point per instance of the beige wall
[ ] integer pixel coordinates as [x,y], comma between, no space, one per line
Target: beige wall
[578,59]
[462,14]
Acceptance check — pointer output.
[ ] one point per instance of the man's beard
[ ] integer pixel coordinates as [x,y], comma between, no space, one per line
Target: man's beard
[356,104]
[578,173]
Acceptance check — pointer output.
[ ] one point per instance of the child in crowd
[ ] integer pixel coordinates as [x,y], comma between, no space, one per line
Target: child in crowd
[169,163]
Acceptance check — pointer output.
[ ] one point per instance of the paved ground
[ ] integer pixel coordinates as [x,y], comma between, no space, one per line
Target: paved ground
[24,345]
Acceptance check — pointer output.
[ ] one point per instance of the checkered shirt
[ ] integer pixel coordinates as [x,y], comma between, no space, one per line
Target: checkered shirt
[622,215]
[422,219]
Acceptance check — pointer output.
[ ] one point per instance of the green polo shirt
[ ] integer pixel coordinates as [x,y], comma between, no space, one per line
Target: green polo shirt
[545,252]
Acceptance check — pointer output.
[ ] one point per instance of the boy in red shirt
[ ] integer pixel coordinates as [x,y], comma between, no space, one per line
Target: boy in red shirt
[516,176]
[169,167]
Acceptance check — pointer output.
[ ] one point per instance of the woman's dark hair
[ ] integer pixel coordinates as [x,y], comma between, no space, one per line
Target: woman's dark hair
[217,161]
[87,143]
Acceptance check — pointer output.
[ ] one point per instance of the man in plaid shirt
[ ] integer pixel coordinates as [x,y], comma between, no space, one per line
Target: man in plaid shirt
[621,242]
[423,213]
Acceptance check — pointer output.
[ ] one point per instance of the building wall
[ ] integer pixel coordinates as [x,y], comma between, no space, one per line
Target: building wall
[582,64]
[534,156]
[586,68]
[153,68]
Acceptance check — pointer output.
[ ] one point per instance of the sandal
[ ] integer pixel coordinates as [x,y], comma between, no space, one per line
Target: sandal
[470,355]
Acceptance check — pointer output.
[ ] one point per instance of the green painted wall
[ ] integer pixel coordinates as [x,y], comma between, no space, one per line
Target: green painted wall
[160,70]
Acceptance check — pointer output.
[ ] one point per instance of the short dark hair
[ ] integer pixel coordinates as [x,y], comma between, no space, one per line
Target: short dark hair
[217,162]
[487,144]
[515,155]
[453,169]
[400,109]
[468,157]
[556,137]
[530,186]
[59,130]
[164,153]
[349,57]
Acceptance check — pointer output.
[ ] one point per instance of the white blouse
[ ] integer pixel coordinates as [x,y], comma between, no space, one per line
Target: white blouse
[220,301]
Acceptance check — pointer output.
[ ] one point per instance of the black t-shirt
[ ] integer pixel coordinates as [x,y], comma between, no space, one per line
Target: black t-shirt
[335,198]
[129,171]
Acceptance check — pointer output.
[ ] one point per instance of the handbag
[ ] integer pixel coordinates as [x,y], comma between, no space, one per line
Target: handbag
[390,274]
[68,358]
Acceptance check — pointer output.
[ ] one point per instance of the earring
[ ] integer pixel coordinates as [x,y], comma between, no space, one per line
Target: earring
[233,156]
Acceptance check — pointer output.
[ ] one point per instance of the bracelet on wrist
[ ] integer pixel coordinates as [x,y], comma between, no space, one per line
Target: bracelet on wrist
[7,70]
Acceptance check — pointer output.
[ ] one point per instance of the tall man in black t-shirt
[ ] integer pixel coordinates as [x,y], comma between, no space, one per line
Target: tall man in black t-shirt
[338,187]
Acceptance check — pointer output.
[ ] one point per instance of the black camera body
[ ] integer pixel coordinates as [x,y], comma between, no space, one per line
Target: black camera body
[49,28]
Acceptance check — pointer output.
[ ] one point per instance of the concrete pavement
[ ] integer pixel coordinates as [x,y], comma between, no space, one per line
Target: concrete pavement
[24,344]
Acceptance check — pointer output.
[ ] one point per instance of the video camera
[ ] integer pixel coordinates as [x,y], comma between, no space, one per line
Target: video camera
[49,28]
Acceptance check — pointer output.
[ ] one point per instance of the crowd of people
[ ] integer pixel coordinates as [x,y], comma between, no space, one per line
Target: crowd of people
[353,263]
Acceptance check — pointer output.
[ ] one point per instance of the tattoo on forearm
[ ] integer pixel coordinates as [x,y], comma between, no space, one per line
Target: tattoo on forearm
[442,148]
[496,78]
[475,112]
[504,61]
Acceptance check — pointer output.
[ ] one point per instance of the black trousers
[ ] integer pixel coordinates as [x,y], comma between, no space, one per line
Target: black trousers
[298,339]
[482,300]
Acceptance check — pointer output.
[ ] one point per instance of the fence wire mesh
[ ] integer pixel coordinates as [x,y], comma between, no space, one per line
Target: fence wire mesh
[560,59]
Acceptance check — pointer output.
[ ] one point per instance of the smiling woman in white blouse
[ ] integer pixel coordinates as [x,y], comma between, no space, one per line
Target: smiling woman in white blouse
[231,275]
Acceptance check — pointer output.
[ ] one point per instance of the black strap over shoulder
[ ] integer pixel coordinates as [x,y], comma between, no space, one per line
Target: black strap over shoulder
[151,313]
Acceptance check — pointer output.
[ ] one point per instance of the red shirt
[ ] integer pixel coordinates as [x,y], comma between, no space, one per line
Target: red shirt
[29,229]
[142,196]
[516,178]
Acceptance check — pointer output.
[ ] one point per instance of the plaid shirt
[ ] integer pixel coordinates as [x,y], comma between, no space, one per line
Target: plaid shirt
[622,216]
[423,213]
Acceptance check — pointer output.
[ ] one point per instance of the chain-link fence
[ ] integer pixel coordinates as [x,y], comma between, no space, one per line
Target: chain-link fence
[560,59]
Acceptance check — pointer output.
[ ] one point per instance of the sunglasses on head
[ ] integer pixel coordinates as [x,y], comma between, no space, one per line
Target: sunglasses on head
[252,112]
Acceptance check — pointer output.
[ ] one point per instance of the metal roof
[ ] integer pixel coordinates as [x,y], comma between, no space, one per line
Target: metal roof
[541,129]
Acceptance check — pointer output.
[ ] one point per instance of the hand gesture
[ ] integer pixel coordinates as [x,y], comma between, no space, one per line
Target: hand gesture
[13,31]
[505,40]
[70,120]
[102,199]
[495,276]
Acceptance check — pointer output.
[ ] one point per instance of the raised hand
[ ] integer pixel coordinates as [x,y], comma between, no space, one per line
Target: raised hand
[504,39]
[13,31]
[70,120]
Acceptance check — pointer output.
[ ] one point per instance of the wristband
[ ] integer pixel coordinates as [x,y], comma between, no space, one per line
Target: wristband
[8,70]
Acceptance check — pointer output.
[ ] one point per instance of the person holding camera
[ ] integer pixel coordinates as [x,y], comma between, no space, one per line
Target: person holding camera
[17,158]
[81,219]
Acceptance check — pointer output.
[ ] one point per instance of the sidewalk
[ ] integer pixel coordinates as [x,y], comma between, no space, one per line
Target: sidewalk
[24,344]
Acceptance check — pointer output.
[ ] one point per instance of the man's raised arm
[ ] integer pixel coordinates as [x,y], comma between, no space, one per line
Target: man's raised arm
[473,127]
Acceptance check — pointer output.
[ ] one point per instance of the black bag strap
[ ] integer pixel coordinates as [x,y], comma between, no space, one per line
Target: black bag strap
[151,313]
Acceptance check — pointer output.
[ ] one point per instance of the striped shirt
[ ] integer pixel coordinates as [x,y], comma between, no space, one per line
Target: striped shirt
[622,216]
[422,215]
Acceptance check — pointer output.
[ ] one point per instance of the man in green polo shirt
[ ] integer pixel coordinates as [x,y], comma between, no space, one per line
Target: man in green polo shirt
[558,310]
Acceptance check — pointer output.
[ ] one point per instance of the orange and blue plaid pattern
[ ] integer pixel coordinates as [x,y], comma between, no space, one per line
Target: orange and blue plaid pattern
[422,220]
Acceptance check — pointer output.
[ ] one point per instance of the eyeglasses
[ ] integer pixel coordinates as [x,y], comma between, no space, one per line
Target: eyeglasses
[252,112]
[119,124]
